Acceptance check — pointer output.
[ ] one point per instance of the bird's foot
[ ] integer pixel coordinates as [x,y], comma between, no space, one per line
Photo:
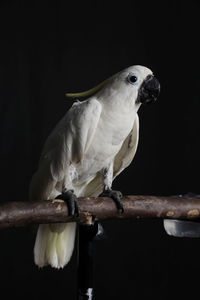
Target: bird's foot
[71,200]
[115,196]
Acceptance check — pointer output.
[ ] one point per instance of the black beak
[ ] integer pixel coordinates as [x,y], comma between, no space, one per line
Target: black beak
[149,90]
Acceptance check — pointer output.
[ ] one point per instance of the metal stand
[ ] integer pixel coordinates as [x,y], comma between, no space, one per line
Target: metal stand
[87,233]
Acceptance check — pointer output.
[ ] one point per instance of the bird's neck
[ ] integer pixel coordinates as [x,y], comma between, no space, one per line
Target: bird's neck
[119,103]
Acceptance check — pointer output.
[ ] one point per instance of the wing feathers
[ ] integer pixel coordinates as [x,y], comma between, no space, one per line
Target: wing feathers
[67,144]
[85,121]
[128,150]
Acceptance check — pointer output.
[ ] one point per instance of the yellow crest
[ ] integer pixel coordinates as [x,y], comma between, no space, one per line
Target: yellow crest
[91,91]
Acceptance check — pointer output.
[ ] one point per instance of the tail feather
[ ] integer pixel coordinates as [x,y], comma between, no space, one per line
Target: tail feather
[54,246]
[65,244]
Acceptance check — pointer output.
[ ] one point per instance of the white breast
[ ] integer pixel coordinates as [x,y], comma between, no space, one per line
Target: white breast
[106,143]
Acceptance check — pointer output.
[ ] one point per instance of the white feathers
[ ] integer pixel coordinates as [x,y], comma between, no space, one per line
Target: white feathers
[128,149]
[100,133]
[54,247]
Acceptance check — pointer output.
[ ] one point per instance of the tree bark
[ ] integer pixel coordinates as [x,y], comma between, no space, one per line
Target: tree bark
[14,214]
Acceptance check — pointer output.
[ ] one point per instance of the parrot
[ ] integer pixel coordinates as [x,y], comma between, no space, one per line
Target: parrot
[92,144]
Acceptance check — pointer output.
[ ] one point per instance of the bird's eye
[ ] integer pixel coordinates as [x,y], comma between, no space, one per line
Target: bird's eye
[132,78]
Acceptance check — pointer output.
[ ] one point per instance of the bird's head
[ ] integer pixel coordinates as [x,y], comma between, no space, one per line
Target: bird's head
[137,83]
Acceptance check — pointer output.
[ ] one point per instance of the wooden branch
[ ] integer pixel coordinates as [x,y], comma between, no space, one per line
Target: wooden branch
[14,214]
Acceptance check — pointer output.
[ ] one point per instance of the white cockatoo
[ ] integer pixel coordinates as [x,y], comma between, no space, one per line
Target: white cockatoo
[93,143]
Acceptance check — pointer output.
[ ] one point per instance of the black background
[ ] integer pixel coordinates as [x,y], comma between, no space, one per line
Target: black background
[48,48]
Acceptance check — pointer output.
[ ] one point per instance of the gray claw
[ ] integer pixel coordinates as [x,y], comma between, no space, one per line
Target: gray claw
[116,196]
[72,202]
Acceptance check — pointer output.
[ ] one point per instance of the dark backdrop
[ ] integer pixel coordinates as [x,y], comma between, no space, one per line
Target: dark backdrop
[48,48]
